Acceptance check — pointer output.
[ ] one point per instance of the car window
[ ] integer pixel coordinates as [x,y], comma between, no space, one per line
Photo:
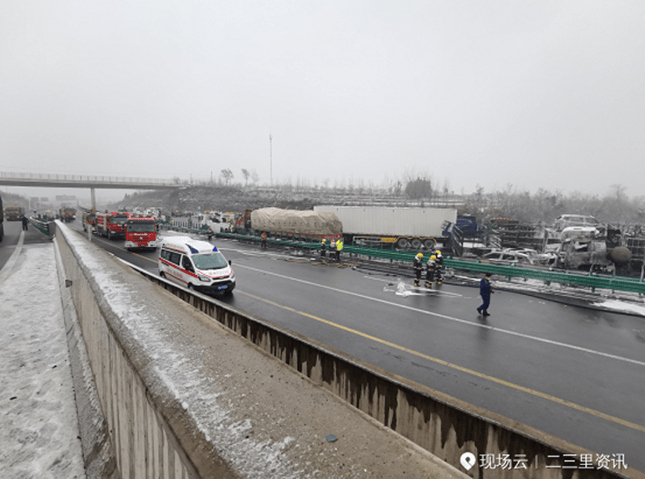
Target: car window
[188,266]
[213,260]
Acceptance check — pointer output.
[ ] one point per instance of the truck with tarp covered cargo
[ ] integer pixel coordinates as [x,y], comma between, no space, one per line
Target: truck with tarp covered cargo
[294,224]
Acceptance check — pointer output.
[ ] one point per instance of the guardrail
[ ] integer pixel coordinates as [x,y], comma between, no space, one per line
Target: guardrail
[593,281]
[48,228]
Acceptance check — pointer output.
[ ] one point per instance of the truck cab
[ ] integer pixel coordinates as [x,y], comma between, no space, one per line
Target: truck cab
[140,233]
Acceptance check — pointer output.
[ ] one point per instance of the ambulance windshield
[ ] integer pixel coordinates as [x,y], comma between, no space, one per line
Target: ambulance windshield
[209,261]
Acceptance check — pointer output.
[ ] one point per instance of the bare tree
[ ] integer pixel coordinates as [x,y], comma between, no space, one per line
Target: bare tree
[255,178]
[246,175]
[227,174]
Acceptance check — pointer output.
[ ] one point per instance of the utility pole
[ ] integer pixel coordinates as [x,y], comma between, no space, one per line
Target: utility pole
[271,159]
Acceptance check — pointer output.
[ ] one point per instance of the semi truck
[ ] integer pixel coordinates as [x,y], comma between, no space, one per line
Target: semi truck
[401,228]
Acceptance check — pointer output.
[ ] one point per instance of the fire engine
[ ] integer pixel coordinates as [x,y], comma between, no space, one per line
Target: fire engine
[67,214]
[140,232]
[111,225]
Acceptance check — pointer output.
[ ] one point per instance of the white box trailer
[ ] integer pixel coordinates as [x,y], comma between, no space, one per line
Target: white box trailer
[407,228]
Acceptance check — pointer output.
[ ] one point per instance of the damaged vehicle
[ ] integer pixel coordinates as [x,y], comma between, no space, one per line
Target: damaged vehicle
[583,247]
[565,221]
[507,258]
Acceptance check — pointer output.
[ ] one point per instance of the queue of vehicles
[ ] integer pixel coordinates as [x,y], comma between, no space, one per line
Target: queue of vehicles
[139,232]
[189,262]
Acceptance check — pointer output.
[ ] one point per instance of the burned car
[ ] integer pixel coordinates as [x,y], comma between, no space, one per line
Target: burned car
[507,258]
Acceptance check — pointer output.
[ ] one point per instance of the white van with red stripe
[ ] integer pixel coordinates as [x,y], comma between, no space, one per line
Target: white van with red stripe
[196,265]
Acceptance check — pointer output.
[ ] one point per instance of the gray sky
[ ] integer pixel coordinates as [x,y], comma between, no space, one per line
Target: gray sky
[534,93]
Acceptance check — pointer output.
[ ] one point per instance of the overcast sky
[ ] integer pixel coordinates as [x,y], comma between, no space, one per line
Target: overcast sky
[537,94]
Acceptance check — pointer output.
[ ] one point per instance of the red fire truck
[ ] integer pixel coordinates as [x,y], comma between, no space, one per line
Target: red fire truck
[140,233]
[111,225]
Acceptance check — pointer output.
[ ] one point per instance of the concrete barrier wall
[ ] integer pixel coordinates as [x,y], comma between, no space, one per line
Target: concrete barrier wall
[146,445]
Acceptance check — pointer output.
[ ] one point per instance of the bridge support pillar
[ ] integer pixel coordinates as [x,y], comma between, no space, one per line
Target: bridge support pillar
[93,193]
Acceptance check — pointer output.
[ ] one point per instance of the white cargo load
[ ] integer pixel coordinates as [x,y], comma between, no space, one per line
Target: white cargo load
[384,221]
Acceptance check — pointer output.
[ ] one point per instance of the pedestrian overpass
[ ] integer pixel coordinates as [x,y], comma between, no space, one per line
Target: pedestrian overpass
[88,181]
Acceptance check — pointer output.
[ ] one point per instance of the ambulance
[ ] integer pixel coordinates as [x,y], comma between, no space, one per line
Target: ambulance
[196,265]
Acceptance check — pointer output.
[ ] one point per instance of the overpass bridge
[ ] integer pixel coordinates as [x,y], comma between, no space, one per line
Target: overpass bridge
[87,181]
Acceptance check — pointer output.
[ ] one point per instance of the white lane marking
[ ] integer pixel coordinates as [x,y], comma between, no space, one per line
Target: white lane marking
[451,318]
[6,269]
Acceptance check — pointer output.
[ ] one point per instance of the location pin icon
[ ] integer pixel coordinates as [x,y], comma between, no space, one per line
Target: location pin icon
[468,460]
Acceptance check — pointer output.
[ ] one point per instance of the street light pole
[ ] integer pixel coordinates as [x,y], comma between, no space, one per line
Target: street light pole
[271,159]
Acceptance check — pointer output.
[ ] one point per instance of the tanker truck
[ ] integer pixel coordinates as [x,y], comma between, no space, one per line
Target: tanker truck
[401,228]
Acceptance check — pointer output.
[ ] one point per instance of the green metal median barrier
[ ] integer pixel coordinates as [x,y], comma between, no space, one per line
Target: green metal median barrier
[45,227]
[593,281]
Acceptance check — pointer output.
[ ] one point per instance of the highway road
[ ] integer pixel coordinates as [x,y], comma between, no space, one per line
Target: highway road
[572,372]
[12,231]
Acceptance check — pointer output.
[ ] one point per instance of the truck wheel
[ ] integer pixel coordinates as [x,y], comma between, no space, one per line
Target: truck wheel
[416,243]
[429,244]
[402,243]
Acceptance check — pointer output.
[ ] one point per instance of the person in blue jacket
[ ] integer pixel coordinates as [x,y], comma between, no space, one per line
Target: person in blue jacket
[485,291]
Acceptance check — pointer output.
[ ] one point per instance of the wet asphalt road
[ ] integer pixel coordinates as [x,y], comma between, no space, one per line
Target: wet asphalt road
[12,231]
[572,372]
